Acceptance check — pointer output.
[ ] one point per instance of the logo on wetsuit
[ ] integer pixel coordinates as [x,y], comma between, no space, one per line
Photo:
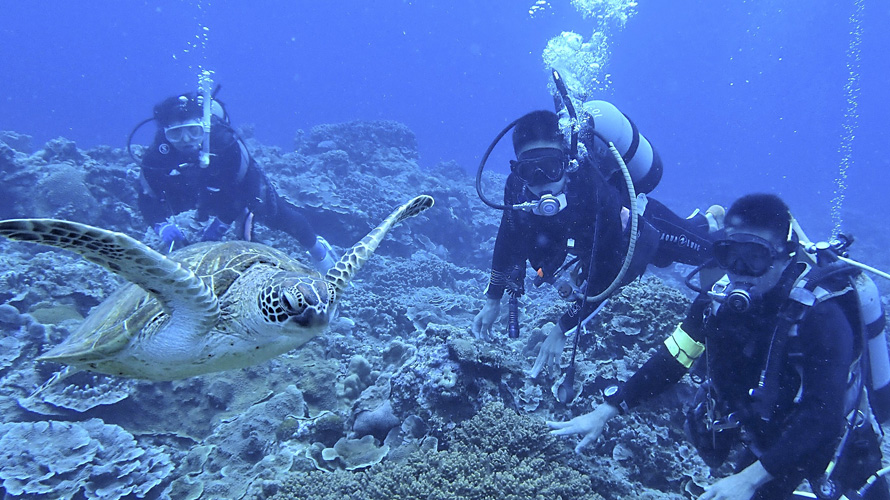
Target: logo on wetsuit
[680,240]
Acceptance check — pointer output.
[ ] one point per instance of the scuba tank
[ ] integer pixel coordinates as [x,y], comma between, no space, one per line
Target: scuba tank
[876,356]
[642,160]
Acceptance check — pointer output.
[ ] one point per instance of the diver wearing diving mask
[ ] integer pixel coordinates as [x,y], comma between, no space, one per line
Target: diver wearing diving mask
[559,208]
[543,167]
[755,260]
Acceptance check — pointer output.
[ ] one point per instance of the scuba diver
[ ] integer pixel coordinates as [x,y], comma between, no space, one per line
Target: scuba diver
[574,215]
[224,182]
[794,359]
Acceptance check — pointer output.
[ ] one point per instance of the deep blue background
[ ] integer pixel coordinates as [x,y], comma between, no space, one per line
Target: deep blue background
[736,95]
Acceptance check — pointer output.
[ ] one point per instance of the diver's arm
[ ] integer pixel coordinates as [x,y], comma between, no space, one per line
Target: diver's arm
[150,206]
[672,360]
[509,249]
[153,173]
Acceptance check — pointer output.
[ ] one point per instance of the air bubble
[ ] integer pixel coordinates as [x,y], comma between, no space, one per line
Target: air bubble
[851,115]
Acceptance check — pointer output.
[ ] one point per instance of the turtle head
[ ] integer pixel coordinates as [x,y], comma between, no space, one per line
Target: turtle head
[298,300]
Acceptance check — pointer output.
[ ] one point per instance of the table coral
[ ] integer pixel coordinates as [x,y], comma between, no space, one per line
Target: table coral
[67,459]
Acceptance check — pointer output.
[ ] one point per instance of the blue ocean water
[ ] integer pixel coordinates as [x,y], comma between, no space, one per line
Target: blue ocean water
[737,96]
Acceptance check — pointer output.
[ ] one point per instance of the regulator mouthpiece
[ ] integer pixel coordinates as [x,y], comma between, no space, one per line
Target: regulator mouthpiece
[739,300]
[548,205]
[737,297]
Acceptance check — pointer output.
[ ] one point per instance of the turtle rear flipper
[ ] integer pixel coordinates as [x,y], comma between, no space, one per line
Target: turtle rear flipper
[178,289]
[355,257]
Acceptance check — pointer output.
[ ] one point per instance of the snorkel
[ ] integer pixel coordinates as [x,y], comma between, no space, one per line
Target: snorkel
[206,101]
[215,108]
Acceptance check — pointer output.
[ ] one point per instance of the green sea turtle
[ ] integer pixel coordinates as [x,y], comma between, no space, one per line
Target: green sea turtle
[206,308]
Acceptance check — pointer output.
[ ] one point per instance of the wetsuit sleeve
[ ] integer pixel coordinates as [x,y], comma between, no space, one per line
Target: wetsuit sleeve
[151,207]
[663,370]
[817,420]
[681,240]
[509,247]
[150,186]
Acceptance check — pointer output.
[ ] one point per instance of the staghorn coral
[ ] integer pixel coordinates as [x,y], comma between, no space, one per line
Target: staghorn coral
[497,454]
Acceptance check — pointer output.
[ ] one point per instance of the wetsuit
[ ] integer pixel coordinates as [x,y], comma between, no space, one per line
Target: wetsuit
[594,208]
[232,185]
[797,440]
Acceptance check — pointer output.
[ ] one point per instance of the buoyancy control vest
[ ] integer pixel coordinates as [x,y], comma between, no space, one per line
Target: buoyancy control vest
[870,371]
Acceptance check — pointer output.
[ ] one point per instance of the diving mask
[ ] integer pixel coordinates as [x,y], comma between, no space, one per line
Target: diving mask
[540,165]
[186,132]
[746,254]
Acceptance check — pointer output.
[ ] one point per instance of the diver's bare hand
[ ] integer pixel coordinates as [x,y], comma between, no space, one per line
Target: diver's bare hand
[550,354]
[590,425]
[739,486]
[486,317]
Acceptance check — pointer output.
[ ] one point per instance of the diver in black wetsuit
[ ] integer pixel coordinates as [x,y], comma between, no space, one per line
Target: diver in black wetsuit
[780,338]
[586,206]
[231,189]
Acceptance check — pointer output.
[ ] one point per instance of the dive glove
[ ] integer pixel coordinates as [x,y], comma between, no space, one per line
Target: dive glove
[323,255]
[171,235]
[214,230]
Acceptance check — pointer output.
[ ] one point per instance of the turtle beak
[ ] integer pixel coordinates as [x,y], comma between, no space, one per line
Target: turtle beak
[307,303]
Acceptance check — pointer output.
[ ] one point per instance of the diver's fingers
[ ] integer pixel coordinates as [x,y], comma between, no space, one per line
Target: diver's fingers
[562,428]
[477,328]
[536,368]
[584,442]
[553,363]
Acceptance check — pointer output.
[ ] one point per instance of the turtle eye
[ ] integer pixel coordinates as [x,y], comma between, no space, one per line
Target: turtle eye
[292,302]
[278,305]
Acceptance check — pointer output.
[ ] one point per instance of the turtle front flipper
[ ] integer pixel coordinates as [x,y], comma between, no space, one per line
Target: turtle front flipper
[178,289]
[354,259]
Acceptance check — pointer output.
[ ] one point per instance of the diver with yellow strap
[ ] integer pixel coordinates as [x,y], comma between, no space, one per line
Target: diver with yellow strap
[778,358]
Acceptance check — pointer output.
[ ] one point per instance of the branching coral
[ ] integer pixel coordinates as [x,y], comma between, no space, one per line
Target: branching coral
[496,454]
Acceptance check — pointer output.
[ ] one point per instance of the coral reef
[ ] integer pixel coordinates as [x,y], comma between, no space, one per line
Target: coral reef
[496,454]
[397,399]
[69,459]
